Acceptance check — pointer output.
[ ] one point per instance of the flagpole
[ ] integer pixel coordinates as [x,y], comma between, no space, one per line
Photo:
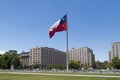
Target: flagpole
[67,52]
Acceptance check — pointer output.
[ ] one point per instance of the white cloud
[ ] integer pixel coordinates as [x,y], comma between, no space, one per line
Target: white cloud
[2,52]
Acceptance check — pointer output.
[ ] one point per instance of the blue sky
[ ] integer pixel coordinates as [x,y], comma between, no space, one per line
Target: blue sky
[92,23]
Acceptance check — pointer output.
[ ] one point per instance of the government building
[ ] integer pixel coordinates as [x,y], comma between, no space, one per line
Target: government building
[24,58]
[115,51]
[46,56]
[84,55]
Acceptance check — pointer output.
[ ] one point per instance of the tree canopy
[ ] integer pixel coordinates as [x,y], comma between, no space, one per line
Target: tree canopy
[9,59]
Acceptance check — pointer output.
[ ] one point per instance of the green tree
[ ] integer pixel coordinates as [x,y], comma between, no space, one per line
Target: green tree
[25,66]
[105,65]
[0,60]
[16,62]
[74,65]
[98,65]
[56,66]
[50,66]
[78,64]
[116,63]
[60,66]
[3,62]
[71,64]
[8,59]
[36,66]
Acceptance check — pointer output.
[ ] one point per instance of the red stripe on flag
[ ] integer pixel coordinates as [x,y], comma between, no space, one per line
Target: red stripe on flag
[58,26]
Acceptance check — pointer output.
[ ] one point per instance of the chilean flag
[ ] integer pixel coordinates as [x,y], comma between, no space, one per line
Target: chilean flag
[60,25]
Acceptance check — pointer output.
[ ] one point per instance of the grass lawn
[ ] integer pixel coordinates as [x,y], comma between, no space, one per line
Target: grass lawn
[6,76]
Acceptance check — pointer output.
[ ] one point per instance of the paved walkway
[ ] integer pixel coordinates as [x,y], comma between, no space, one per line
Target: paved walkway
[52,74]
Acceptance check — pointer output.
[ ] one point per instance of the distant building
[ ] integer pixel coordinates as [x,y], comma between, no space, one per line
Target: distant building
[115,51]
[46,56]
[110,57]
[13,51]
[84,55]
[24,58]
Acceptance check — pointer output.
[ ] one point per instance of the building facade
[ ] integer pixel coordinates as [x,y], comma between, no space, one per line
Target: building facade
[115,51]
[46,56]
[24,58]
[84,55]
[13,51]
